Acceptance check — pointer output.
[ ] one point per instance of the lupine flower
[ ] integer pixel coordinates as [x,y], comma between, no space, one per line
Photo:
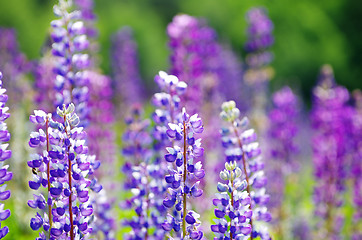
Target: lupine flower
[70,42]
[356,165]
[232,206]
[167,104]
[258,71]
[283,149]
[260,38]
[330,121]
[63,169]
[125,68]
[241,146]
[184,178]
[144,179]
[105,221]
[101,118]
[194,53]
[5,174]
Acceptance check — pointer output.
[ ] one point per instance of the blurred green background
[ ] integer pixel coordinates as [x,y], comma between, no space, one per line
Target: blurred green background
[308,33]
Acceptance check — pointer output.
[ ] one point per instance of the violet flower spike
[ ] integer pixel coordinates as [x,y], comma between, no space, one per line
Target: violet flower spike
[232,206]
[63,168]
[125,67]
[5,175]
[185,177]
[356,165]
[283,130]
[330,118]
[70,43]
[144,179]
[241,146]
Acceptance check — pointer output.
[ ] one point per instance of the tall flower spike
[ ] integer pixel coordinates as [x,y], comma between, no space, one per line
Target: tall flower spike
[125,68]
[101,118]
[144,179]
[330,120]
[5,154]
[232,206]
[241,146]
[258,70]
[184,178]
[62,169]
[70,43]
[260,39]
[283,149]
[357,166]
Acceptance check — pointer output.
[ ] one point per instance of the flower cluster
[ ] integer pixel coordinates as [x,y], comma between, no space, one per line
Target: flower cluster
[104,218]
[356,165]
[232,205]
[241,146]
[330,120]
[70,42]
[194,55]
[184,178]
[144,179]
[136,145]
[260,39]
[100,133]
[62,166]
[5,154]
[128,82]
[282,133]
[167,104]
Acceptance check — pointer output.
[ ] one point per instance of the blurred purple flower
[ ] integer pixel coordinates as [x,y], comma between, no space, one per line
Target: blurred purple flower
[126,76]
[330,117]
[194,57]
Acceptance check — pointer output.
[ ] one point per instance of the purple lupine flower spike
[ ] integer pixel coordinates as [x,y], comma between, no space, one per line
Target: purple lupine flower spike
[63,169]
[144,179]
[232,205]
[101,118]
[282,132]
[258,70]
[70,44]
[330,117]
[125,67]
[184,178]
[5,174]
[357,165]
[241,146]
